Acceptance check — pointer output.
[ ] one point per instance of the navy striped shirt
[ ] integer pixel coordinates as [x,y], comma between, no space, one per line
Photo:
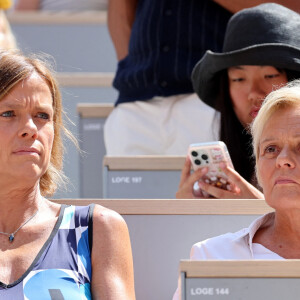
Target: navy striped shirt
[168,38]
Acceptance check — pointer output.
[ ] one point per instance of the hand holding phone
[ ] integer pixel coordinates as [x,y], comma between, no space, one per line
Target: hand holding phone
[210,155]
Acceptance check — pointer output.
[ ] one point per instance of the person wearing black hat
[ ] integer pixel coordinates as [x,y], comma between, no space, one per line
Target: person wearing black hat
[261,52]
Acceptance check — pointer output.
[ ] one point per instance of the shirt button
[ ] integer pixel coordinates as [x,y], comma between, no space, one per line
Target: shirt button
[163,84]
[166,49]
[168,12]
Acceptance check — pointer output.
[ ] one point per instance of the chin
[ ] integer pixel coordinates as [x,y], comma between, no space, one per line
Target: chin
[284,199]
[31,172]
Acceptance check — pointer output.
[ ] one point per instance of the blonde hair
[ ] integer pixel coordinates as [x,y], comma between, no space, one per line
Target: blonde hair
[15,67]
[285,97]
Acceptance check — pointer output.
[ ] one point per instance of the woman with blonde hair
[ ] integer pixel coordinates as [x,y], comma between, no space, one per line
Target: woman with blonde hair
[276,145]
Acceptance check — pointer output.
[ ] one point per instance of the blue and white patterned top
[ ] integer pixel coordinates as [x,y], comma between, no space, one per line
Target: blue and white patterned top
[62,268]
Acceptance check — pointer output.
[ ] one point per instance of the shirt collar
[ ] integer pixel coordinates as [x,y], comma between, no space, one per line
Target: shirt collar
[248,233]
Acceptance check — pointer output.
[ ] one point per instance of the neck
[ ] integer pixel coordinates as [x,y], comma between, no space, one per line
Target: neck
[19,206]
[286,226]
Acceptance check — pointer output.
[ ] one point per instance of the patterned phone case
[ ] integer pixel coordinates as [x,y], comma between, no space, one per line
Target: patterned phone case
[210,155]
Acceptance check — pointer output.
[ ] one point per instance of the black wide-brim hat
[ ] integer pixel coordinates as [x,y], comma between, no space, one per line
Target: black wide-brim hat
[267,34]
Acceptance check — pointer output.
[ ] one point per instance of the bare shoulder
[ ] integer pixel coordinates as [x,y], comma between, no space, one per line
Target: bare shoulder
[103,217]
[108,224]
[112,265]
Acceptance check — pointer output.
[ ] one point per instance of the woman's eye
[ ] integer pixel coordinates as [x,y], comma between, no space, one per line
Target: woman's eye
[271,76]
[270,149]
[8,114]
[44,116]
[238,79]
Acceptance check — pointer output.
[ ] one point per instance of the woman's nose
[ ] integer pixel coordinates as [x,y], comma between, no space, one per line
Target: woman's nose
[257,93]
[28,129]
[285,159]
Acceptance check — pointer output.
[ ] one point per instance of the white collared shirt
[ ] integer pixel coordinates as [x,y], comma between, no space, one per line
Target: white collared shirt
[238,245]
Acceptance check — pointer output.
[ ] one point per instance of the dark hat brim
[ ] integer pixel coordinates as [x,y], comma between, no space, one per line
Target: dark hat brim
[206,81]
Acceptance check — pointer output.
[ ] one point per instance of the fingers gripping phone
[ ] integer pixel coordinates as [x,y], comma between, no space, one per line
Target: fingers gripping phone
[210,155]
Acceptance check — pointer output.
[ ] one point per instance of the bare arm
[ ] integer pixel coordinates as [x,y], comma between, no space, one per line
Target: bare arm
[121,15]
[236,5]
[112,266]
[27,5]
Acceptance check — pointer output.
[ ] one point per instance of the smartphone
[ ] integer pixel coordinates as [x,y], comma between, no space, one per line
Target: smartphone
[210,155]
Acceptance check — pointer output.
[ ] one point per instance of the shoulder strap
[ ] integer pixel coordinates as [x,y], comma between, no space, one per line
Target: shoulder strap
[90,225]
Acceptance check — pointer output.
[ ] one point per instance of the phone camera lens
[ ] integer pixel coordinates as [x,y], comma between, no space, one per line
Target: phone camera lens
[204,156]
[194,153]
[197,162]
